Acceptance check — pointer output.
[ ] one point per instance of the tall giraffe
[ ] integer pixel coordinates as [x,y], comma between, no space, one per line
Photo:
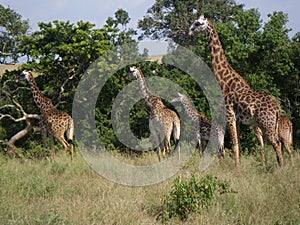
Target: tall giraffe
[52,121]
[243,104]
[162,121]
[285,132]
[204,129]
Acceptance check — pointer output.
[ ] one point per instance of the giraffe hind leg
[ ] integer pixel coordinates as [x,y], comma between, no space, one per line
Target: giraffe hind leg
[62,140]
[69,136]
[176,136]
[287,147]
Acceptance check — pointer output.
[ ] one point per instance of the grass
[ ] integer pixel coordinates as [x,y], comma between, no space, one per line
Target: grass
[65,192]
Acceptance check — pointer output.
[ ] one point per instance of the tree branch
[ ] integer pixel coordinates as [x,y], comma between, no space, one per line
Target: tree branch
[62,89]
[5,54]
[17,106]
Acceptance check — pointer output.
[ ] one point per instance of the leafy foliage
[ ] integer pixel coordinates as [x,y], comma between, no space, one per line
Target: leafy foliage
[192,196]
[264,54]
[12,27]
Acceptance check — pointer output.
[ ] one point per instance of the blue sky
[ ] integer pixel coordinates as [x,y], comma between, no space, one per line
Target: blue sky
[97,11]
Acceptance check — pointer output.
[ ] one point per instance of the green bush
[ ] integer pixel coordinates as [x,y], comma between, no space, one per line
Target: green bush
[192,196]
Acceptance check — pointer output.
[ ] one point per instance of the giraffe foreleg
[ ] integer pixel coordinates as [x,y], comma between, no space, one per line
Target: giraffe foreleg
[44,137]
[155,138]
[50,134]
[232,124]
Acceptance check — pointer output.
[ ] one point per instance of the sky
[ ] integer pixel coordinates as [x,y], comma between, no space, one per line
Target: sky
[97,11]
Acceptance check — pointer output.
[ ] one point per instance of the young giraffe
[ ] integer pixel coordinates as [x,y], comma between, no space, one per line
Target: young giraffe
[243,104]
[204,128]
[52,121]
[162,121]
[285,132]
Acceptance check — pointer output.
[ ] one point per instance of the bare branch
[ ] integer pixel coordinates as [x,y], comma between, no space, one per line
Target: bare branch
[62,89]
[5,54]
[20,134]
[25,117]
[7,106]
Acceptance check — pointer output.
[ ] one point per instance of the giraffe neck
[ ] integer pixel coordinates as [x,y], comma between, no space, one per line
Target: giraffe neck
[222,69]
[144,89]
[155,103]
[42,102]
[190,109]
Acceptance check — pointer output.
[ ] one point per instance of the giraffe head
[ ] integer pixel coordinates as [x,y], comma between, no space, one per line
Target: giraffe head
[133,72]
[199,25]
[25,75]
[180,97]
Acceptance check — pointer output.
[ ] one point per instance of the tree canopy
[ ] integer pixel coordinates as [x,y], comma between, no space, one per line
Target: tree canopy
[263,53]
[12,27]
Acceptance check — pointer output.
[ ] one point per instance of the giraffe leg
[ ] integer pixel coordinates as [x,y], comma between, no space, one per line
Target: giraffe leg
[176,136]
[72,151]
[62,140]
[156,139]
[259,137]
[234,138]
[201,146]
[276,144]
[70,134]
[51,145]
[287,147]
[200,142]
[44,136]
[160,148]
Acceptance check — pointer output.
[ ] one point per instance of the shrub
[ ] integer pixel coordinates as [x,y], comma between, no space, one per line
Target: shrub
[192,196]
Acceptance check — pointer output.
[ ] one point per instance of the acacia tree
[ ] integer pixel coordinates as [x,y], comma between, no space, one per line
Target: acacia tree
[12,27]
[263,54]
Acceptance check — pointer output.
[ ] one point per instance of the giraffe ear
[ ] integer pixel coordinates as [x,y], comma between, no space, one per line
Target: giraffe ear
[179,94]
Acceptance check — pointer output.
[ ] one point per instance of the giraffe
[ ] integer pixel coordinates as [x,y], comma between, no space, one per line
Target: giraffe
[204,127]
[162,121]
[285,132]
[52,121]
[243,104]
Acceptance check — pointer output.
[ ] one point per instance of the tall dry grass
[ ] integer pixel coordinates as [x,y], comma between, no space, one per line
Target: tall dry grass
[65,192]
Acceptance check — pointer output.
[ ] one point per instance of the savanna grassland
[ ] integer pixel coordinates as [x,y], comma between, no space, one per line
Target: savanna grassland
[65,192]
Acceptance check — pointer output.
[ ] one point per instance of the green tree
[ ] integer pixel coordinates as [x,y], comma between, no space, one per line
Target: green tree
[263,54]
[12,26]
[60,53]
[172,19]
